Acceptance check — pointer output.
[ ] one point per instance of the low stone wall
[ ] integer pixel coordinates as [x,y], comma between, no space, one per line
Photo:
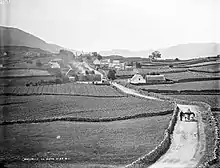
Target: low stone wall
[207,117]
[80,119]
[161,149]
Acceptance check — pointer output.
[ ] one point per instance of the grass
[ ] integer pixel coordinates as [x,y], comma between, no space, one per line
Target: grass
[187,75]
[201,85]
[66,89]
[49,106]
[211,68]
[23,72]
[212,100]
[22,81]
[217,116]
[119,142]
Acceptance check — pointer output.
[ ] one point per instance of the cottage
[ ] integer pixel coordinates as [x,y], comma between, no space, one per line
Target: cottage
[137,79]
[96,62]
[105,61]
[54,65]
[155,78]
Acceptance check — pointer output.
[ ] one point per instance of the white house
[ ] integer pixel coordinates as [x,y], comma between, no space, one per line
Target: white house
[96,62]
[137,79]
[54,64]
[105,61]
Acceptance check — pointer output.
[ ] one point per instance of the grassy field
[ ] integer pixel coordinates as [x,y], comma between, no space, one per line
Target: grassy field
[22,81]
[118,142]
[188,74]
[68,88]
[211,68]
[39,107]
[212,100]
[23,72]
[200,85]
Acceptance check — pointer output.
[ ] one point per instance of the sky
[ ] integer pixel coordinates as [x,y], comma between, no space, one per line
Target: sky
[95,25]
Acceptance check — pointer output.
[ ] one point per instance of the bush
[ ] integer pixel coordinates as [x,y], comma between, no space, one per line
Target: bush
[38,63]
[111,74]
[58,81]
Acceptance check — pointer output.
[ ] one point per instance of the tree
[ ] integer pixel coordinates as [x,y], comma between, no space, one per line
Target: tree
[86,72]
[111,74]
[92,72]
[38,63]
[96,55]
[155,55]
[138,65]
[99,57]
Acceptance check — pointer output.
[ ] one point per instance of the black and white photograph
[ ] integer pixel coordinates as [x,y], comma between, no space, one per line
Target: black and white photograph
[109,83]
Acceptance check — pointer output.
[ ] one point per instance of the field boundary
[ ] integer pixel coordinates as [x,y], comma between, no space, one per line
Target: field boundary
[211,127]
[57,94]
[80,119]
[52,90]
[160,149]
[194,70]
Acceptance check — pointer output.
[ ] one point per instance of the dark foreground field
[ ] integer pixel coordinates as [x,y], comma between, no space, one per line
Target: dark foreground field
[115,143]
[49,106]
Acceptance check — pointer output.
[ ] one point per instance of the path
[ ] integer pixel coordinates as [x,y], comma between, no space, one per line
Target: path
[187,147]
[131,91]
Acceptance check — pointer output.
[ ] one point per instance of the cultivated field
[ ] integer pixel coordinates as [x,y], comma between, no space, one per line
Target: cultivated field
[23,72]
[53,106]
[210,68]
[22,81]
[188,75]
[212,100]
[118,142]
[64,89]
[200,85]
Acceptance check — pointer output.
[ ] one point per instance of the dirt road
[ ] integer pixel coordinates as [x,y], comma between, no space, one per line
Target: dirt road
[131,91]
[188,141]
[187,146]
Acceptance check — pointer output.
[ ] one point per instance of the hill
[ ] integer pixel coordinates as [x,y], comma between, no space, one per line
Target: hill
[15,37]
[182,51]
[191,50]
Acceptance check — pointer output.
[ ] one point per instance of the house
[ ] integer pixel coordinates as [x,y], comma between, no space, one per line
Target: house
[96,62]
[155,78]
[105,62]
[54,64]
[128,67]
[137,79]
[117,65]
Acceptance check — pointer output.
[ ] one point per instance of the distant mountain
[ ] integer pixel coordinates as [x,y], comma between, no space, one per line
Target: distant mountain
[191,50]
[182,51]
[127,53]
[10,36]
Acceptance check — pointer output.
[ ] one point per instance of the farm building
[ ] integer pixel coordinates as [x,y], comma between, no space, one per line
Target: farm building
[54,65]
[96,62]
[155,78]
[105,61]
[137,79]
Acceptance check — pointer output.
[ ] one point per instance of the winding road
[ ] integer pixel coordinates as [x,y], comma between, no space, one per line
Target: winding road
[188,140]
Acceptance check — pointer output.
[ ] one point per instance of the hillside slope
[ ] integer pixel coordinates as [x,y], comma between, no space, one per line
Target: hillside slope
[15,37]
